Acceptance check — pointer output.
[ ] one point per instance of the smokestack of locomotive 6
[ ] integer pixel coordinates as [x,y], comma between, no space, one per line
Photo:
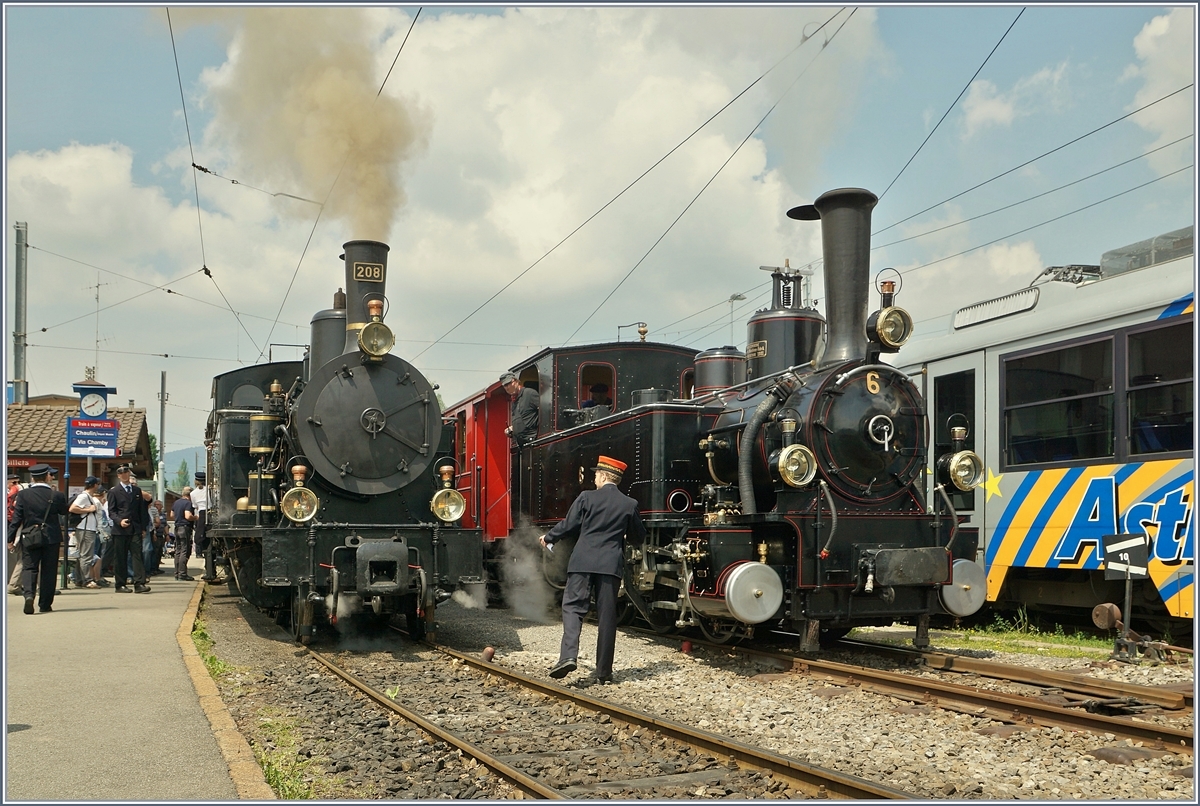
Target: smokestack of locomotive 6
[845,216]
[366,282]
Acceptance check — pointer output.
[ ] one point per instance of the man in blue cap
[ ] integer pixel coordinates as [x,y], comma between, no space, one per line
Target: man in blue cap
[37,523]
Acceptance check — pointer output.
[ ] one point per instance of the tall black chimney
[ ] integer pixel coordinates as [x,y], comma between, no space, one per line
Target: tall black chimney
[845,216]
[366,279]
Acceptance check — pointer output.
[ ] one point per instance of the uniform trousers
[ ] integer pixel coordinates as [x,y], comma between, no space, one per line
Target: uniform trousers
[39,566]
[123,547]
[183,548]
[575,605]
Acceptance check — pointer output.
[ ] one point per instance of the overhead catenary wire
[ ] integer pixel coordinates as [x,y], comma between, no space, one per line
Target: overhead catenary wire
[949,109]
[709,182]
[1032,198]
[321,210]
[623,191]
[195,182]
[1044,223]
[1031,161]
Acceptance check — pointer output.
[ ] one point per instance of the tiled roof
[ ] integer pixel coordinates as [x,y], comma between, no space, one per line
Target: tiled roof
[43,429]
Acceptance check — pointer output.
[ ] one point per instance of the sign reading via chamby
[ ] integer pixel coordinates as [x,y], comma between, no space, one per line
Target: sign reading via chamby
[93,438]
[1126,554]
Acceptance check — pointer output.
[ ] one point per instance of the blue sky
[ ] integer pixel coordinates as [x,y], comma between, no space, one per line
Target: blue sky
[501,130]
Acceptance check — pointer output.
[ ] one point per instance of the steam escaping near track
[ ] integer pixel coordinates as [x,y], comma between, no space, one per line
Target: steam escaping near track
[297,100]
[526,574]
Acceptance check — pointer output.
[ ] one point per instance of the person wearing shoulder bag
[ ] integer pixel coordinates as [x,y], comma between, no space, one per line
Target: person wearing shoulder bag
[36,523]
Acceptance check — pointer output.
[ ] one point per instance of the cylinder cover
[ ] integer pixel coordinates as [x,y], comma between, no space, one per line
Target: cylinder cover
[967,590]
[753,592]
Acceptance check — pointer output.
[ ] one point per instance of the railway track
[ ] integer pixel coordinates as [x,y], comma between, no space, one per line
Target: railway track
[589,748]
[1000,706]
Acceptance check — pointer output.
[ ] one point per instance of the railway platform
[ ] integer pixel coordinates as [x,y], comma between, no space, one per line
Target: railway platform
[107,699]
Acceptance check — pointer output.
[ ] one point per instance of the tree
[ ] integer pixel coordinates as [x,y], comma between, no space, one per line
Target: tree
[153,451]
[182,475]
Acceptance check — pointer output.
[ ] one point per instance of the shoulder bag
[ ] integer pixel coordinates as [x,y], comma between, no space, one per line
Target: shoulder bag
[35,536]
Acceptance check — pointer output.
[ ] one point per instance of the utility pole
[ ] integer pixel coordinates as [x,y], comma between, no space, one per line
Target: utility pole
[97,287]
[161,487]
[20,384]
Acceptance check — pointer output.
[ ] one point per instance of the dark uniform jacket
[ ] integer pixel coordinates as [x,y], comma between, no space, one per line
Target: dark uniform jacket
[602,518]
[525,416]
[122,505]
[30,509]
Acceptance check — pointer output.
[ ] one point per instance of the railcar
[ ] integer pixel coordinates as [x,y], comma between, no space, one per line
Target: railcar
[331,479]
[1080,386]
[785,486]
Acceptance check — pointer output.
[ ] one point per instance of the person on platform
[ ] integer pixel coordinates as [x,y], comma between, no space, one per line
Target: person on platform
[153,513]
[87,531]
[203,544]
[127,508]
[599,397]
[523,412]
[602,518]
[14,554]
[184,514]
[37,524]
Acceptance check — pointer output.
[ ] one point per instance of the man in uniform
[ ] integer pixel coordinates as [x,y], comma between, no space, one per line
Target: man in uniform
[38,508]
[599,397]
[524,411]
[184,515]
[126,508]
[601,518]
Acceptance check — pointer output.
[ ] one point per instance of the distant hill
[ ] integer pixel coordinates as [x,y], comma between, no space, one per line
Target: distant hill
[173,458]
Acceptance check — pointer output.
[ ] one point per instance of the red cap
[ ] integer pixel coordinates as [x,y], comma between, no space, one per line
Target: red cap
[610,465]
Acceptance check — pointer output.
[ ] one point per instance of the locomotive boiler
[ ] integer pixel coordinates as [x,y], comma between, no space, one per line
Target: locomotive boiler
[790,487]
[331,492]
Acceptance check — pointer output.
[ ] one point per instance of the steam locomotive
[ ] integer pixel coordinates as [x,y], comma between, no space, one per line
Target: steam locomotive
[789,486]
[330,478]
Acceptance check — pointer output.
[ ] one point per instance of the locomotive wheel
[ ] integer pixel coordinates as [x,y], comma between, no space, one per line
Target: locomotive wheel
[415,624]
[626,613]
[302,612]
[720,633]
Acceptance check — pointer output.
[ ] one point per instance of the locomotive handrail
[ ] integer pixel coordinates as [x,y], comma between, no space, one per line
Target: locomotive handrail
[941,488]
[845,376]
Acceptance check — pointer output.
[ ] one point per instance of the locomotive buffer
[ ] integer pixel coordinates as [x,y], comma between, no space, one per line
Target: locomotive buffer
[1126,557]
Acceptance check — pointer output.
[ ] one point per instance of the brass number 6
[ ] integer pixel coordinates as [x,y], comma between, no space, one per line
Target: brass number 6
[873,382]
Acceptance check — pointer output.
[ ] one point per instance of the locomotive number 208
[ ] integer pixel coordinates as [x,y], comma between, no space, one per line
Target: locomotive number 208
[369,272]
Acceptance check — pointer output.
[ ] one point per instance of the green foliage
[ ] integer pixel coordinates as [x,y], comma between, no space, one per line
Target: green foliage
[281,765]
[153,451]
[204,644]
[182,476]
[392,692]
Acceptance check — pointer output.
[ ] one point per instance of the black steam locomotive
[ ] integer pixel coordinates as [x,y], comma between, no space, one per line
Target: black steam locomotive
[330,478]
[790,486]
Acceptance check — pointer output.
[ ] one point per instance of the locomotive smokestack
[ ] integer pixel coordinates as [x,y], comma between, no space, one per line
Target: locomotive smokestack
[845,216]
[366,279]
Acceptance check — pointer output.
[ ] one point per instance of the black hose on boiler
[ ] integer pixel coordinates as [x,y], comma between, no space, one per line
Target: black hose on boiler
[777,394]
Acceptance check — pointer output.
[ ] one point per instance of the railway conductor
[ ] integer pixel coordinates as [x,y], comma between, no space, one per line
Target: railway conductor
[36,513]
[602,518]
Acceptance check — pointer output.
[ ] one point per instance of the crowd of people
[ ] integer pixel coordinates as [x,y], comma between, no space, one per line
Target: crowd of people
[122,533]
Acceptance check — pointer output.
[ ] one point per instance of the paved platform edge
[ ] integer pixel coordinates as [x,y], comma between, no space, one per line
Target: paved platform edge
[243,768]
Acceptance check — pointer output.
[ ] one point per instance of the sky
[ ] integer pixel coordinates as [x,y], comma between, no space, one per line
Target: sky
[490,159]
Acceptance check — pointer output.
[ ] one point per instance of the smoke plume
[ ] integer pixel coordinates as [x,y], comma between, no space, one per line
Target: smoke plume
[530,574]
[296,103]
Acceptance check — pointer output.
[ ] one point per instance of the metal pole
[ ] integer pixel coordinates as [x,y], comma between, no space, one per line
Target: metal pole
[1128,613]
[66,553]
[162,440]
[20,385]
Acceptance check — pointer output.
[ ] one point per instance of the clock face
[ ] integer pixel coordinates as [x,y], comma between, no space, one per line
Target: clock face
[93,405]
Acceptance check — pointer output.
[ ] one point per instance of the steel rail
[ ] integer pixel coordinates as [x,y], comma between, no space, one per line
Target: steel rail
[817,781]
[527,785]
[996,705]
[1167,698]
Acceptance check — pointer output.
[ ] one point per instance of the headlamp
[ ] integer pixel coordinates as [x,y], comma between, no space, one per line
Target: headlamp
[797,465]
[963,469]
[448,505]
[299,504]
[376,339]
[890,328]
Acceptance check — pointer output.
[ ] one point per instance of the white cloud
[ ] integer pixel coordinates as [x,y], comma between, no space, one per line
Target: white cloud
[986,106]
[1166,52]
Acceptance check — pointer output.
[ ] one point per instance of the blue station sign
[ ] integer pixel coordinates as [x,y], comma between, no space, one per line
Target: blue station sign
[93,437]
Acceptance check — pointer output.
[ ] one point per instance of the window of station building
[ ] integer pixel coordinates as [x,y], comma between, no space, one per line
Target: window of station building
[1159,393]
[1058,404]
[591,375]
[955,394]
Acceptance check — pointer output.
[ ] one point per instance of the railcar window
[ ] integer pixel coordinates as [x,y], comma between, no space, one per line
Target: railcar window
[1160,389]
[955,394]
[1059,404]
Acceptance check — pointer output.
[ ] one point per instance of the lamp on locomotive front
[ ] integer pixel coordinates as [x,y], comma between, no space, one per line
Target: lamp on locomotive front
[299,504]
[889,327]
[448,503]
[375,339]
[961,467]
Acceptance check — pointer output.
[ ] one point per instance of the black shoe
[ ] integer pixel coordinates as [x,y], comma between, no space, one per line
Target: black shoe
[141,588]
[45,609]
[564,668]
[29,606]
[214,580]
[186,578]
[122,589]
[602,679]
